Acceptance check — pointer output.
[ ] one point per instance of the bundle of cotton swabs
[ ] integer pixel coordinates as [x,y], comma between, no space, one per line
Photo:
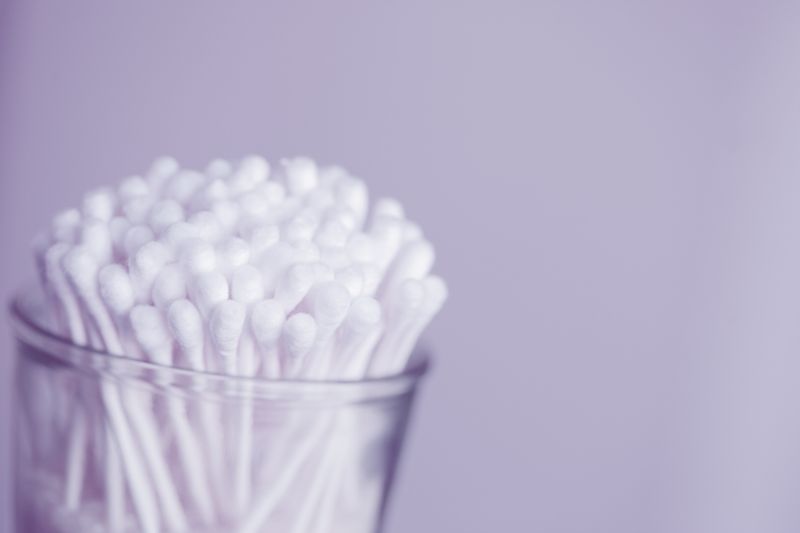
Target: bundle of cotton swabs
[241,269]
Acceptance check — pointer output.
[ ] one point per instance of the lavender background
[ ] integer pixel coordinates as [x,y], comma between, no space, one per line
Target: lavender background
[613,190]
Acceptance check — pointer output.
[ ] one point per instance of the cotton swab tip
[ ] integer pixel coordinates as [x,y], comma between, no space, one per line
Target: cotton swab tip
[116,289]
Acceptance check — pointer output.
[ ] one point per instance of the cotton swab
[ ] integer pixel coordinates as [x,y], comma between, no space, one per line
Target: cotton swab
[330,304]
[299,333]
[266,322]
[169,286]
[360,331]
[413,261]
[186,325]
[137,236]
[226,325]
[435,295]
[401,307]
[246,288]
[207,290]
[154,338]
[153,334]
[294,286]
[237,271]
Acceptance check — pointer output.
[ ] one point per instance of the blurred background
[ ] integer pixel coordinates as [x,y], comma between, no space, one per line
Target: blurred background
[613,190]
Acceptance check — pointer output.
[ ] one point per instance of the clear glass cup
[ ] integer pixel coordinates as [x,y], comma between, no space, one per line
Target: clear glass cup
[108,443]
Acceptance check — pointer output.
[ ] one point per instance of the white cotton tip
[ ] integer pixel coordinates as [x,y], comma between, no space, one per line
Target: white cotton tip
[273,263]
[151,333]
[186,325]
[364,314]
[343,216]
[414,261]
[207,290]
[116,289]
[387,236]
[161,169]
[388,207]
[137,209]
[66,226]
[274,192]
[322,273]
[333,233]
[330,175]
[436,294]
[299,334]
[266,322]
[352,194]
[208,225]
[372,278]
[225,327]
[300,228]
[169,286]
[219,168]
[179,235]
[227,212]
[118,227]
[412,231]
[262,238]
[146,264]
[81,268]
[404,302]
[136,237]
[198,256]
[232,253]
[320,199]
[253,205]
[164,214]
[251,171]
[96,236]
[99,204]
[305,252]
[294,285]
[133,187]
[182,186]
[335,257]
[331,301]
[361,248]
[352,277]
[301,175]
[247,286]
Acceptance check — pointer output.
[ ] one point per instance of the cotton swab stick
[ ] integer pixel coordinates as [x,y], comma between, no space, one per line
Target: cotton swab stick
[154,338]
[81,269]
[246,288]
[66,297]
[402,307]
[187,328]
[435,295]
[360,332]
[117,293]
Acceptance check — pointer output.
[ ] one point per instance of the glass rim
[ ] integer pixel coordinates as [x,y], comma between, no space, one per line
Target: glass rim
[27,330]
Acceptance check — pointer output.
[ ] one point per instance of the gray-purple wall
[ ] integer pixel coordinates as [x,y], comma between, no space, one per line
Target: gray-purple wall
[613,189]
